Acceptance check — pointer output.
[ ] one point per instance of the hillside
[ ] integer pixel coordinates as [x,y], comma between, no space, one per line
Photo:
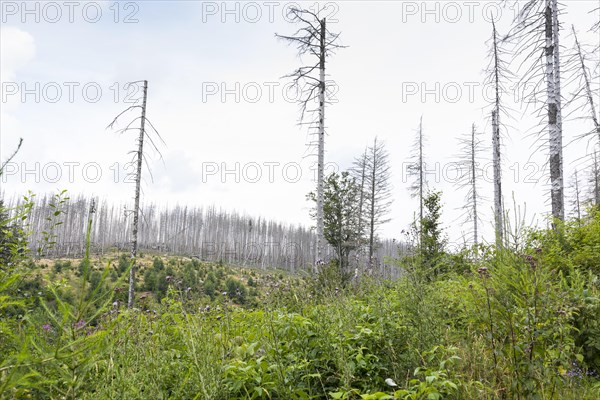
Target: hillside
[491,324]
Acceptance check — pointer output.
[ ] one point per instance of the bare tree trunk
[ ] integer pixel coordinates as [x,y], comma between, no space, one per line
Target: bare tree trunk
[496,154]
[470,148]
[321,149]
[588,90]
[420,175]
[378,197]
[363,169]
[359,172]
[372,212]
[474,185]
[554,112]
[596,180]
[416,171]
[136,210]
[577,200]
[313,39]
[498,211]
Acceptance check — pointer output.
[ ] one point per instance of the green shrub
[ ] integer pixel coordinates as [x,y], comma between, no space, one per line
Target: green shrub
[60,265]
[124,263]
[236,290]
[158,264]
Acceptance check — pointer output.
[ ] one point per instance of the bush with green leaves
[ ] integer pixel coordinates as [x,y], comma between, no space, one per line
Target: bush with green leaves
[236,290]
[573,252]
[60,265]
[124,263]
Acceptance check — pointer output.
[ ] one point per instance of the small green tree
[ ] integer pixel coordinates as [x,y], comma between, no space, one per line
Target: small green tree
[13,245]
[341,215]
[124,263]
[236,290]
[433,240]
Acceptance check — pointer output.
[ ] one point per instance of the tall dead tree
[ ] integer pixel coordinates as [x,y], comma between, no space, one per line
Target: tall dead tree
[136,206]
[378,192]
[474,182]
[416,169]
[359,171]
[586,85]
[469,173]
[576,196]
[537,29]
[554,109]
[497,166]
[313,39]
[594,180]
[497,75]
[138,160]
[496,154]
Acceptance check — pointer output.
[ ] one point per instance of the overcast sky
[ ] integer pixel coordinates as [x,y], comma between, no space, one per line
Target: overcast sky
[217,97]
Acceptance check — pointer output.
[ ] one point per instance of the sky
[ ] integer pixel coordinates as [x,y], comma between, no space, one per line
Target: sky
[220,100]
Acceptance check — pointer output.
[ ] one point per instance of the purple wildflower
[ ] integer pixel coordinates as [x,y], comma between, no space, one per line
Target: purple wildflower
[79,324]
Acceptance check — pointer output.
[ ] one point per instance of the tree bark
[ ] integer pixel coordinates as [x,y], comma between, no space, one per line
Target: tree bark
[321,149]
[554,110]
[498,211]
[474,185]
[372,194]
[588,90]
[136,210]
[496,154]
[596,180]
[420,173]
[577,200]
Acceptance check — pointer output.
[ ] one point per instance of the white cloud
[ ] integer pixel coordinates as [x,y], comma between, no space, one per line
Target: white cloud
[17,49]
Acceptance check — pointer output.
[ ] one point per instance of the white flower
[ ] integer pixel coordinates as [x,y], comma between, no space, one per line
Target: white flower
[390,382]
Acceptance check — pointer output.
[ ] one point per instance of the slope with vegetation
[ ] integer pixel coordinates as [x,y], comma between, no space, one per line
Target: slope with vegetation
[481,324]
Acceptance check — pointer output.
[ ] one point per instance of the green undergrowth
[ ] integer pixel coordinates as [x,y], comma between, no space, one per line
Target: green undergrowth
[496,324]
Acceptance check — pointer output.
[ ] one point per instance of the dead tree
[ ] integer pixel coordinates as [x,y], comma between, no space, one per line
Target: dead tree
[359,171]
[416,169]
[468,178]
[554,108]
[315,40]
[576,196]
[537,33]
[497,166]
[474,145]
[585,85]
[497,75]
[138,159]
[378,192]
[594,181]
